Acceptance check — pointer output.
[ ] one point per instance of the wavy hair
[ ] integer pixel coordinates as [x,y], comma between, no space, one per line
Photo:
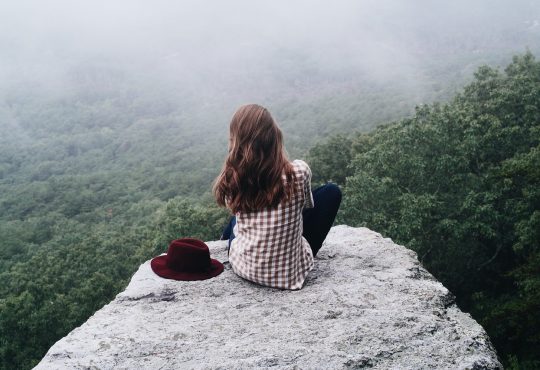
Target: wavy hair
[256,173]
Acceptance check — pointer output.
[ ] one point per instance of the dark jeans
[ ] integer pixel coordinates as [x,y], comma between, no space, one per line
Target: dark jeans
[317,221]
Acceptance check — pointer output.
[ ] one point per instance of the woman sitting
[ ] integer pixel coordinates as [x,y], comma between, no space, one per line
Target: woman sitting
[279,225]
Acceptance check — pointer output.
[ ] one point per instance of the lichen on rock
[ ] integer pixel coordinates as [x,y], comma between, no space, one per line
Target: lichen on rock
[368,303]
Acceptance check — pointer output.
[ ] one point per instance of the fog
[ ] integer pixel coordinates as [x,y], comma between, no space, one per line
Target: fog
[216,55]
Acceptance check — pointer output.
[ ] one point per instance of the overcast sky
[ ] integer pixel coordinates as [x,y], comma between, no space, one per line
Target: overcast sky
[218,41]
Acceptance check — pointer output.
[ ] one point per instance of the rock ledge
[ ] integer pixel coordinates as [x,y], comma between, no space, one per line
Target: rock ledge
[368,303]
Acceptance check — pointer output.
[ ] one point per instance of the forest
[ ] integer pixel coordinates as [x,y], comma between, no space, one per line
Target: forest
[112,129]
[457,182]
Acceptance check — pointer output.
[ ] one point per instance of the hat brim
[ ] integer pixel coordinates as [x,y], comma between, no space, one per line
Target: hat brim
[160,267]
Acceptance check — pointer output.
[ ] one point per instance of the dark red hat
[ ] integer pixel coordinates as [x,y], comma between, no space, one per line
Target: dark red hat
[187,259]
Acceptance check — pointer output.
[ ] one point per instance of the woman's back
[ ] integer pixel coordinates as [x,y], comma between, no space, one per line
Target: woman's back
[268,247]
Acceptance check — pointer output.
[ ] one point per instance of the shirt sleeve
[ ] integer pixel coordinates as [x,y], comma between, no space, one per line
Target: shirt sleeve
[308,195]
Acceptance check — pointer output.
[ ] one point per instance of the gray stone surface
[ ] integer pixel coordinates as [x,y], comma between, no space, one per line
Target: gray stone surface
[368,303]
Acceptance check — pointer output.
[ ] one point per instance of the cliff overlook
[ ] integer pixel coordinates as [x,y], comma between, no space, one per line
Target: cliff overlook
[367,303]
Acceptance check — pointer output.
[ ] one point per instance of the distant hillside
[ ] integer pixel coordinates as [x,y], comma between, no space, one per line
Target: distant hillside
[107,153]
[459,183]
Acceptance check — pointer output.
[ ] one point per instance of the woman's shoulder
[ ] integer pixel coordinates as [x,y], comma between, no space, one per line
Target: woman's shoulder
[301,167]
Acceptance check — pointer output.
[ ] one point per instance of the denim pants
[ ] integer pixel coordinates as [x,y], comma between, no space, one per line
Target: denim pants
[317,221]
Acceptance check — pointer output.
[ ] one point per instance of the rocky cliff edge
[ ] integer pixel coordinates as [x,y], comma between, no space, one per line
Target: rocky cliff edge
[368,303]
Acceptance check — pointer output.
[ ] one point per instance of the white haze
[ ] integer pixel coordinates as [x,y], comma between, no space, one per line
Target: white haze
[218,54]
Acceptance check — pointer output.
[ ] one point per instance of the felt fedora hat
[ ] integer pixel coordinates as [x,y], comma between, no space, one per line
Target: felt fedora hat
[187,259]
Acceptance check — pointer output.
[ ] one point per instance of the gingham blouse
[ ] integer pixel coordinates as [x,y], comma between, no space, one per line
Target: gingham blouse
[269,248]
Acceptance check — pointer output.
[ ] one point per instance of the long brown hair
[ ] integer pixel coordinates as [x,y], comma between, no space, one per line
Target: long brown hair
[252,175]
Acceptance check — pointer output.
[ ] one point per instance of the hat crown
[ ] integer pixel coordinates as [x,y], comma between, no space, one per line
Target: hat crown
[188,255]
[187,259]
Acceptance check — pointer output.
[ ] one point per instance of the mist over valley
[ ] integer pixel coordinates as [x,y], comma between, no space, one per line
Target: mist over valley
[114,121]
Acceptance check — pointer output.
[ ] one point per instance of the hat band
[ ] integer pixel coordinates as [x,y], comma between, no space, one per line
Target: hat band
[189,267]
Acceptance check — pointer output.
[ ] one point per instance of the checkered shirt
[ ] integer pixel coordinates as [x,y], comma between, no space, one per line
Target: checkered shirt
[269,248]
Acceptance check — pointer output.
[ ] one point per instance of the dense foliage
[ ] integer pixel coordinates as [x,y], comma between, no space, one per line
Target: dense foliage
[459,183]
[99,179]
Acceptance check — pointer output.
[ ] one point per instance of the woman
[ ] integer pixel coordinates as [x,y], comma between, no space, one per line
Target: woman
[279,224]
